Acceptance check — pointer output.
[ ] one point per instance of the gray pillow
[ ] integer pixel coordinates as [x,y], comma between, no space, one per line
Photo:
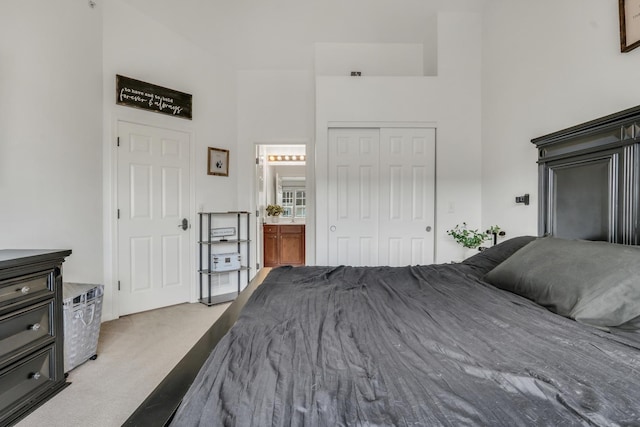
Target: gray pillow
[597,283]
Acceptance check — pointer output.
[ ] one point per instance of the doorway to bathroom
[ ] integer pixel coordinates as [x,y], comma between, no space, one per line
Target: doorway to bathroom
[281,180]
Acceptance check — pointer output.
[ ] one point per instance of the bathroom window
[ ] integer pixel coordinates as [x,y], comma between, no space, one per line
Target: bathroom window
[294,202]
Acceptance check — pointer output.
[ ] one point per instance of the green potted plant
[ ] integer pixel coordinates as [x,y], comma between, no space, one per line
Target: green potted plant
[275,211]
[470,239]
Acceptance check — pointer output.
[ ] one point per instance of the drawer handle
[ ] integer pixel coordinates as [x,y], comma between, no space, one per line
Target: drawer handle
[35,326]
[35,376]
[25,289]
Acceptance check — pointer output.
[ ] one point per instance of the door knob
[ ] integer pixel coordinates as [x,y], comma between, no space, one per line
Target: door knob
[185,224]
[428,228]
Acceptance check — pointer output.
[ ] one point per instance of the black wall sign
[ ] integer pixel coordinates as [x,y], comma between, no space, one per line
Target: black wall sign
[147,96]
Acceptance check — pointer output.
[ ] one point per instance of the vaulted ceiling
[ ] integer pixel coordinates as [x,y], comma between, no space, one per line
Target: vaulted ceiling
[229,28]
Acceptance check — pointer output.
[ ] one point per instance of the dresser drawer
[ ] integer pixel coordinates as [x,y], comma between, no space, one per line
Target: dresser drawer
[270,228]
[13,290]
[25,328]
[292,229]
[25,378]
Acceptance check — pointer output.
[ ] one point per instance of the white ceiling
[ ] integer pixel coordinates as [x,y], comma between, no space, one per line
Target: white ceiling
[231,28]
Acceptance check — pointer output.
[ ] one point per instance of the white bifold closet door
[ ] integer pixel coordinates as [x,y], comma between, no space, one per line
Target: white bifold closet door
[381,196]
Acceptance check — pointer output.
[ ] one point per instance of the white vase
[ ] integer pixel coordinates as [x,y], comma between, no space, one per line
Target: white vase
[275,219]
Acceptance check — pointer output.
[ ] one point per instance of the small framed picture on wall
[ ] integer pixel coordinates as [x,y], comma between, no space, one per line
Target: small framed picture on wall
[629,24]
[218,162]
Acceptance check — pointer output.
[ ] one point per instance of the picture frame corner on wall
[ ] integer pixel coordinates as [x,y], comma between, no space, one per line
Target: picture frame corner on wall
[629,12]
[217,161]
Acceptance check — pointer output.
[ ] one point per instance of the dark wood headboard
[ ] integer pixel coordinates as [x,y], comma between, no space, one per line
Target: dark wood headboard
[589,180]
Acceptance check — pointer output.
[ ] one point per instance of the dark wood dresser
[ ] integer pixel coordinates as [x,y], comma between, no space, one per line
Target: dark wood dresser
[284,244]
[31,330]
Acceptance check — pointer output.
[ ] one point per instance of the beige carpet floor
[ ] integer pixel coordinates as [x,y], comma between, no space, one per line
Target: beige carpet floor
[135,353]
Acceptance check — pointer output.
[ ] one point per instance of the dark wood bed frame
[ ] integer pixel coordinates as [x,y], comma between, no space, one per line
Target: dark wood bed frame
[589,178]
[607,148]
[160,406]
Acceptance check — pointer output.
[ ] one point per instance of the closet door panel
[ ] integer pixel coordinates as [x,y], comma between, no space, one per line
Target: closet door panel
[353,196]
[381,196]
[407,195]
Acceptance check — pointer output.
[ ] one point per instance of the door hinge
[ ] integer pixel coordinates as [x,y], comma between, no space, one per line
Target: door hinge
[118,284]
[257,266]
[118,213]
[118,141]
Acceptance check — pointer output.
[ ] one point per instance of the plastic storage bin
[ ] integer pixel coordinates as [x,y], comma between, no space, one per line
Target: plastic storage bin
[82,312]
[225,262]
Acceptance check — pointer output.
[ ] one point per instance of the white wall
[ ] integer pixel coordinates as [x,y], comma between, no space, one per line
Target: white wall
[279,34]
[450,101]
[137,46]
[248,86]
[140,47]
[251,64]
[371,59]
[547,65]
[51,131]
[274,107]
[534,68]
[267,53]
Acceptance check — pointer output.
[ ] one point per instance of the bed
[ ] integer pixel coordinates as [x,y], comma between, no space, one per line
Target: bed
[533,331]
[421,345]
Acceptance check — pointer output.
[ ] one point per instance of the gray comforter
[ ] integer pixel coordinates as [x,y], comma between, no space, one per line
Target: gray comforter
[410,346]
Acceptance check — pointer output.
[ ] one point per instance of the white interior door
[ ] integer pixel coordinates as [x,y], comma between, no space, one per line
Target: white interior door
[353,196]
[407,194]
[153,201]
[381,196]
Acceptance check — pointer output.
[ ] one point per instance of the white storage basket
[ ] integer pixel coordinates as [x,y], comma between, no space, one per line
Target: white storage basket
[82,312]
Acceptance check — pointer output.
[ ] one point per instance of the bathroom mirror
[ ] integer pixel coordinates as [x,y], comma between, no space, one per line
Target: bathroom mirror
[292,196]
